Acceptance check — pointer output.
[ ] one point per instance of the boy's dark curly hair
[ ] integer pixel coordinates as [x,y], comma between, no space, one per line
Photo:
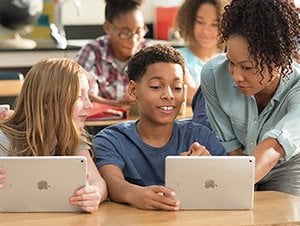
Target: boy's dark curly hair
[114,8]
[157,53]
[269,26]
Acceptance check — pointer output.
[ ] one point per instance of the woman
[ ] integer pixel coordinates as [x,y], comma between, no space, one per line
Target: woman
[253,92]
[49,119]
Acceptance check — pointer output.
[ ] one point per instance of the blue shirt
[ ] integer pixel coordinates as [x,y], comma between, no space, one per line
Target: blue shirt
[193,64]
[199,109]
[142,164]
[235,117]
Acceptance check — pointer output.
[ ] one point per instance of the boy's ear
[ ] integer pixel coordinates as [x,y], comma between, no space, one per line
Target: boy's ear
[132,89]
[106,27]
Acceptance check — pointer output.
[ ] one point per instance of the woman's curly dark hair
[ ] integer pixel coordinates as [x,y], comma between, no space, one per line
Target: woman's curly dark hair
[269,26]
[157,53]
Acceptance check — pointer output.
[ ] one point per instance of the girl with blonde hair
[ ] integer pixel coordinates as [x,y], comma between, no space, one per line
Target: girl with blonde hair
[48,120]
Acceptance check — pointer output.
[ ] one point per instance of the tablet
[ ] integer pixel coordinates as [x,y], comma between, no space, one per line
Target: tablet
[41,184]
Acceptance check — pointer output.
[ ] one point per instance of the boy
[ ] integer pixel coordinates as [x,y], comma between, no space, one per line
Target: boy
[107,56]
[131,155]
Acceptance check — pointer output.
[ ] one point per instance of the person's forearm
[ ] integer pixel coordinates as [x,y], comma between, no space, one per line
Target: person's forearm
[102,100]
[119,189]
[267,153]
[117,103]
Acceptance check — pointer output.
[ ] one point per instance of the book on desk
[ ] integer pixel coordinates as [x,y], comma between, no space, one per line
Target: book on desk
[106,112]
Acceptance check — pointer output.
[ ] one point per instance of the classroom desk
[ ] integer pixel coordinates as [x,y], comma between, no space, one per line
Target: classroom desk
[270,208]
[103,123]
[10,87]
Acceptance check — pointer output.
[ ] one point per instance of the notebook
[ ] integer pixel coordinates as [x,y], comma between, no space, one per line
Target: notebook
[211,182]
[41,184]
[106,112]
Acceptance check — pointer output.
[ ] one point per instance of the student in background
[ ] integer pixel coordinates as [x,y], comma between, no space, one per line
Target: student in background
[252,93]
[48,120]
[197,22]
[131,155]
[106,58]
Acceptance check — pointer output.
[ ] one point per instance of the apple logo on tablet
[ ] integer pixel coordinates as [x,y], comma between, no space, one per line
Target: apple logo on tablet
[42,184]
[210,184]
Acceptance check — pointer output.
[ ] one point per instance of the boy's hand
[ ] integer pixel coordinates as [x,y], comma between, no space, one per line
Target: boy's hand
[196,149]
[2,177]
[155,197]
[87,198]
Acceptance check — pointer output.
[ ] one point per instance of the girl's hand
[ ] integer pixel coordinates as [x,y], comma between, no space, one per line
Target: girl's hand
[87,198]
[2,177]
[5,114]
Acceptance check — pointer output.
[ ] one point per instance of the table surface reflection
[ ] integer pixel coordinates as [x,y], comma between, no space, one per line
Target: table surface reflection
[270,208]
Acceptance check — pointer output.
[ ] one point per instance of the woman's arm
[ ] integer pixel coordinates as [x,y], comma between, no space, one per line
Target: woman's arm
[267,153]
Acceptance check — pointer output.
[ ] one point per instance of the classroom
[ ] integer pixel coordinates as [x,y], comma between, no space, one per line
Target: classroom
[139,112]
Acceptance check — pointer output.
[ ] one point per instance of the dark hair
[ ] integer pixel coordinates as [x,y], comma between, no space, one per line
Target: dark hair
[114,8]
[186,16]
[157,53]
[269,26]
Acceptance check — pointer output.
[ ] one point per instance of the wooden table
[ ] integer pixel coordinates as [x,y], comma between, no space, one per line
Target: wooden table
[133,116]
[270,208]
[10,87]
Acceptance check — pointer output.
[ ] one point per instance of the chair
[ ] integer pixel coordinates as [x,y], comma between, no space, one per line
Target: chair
[11,75]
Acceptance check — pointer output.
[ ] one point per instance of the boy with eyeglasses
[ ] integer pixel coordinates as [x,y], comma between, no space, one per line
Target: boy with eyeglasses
[106,57]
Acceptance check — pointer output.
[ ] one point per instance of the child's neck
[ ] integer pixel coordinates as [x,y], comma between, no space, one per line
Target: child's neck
[155,135]
[203,53]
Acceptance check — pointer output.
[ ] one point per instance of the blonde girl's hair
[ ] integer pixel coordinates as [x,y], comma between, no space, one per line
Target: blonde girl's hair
[43,112]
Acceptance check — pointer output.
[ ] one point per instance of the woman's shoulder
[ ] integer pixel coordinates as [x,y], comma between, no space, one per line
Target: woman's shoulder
[215,67]
[217,61]
[296,69]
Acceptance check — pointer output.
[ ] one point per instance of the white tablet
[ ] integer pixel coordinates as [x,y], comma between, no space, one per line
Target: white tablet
[212,182]
[41,184]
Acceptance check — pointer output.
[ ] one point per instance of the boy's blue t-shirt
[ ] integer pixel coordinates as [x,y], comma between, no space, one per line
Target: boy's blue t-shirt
[142,164]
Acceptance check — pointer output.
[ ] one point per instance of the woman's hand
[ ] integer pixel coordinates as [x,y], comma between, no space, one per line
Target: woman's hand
[87,198]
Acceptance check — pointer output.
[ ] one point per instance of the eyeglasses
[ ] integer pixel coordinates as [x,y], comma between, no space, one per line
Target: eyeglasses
[126,33]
